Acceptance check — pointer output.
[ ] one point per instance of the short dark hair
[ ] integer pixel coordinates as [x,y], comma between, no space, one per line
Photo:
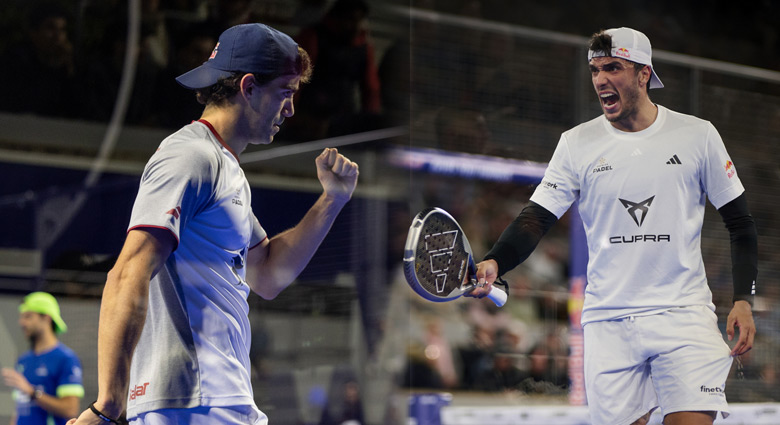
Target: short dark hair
[601,42]
[227,87]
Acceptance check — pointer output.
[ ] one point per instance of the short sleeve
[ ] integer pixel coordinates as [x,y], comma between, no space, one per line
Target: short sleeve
[560,186]
[258,233]
[174,186]
[719,175]
[69,382]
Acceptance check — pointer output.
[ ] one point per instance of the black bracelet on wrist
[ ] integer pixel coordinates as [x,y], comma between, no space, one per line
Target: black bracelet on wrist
[100,415]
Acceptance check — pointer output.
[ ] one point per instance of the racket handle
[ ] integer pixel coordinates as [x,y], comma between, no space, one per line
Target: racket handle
[497,295]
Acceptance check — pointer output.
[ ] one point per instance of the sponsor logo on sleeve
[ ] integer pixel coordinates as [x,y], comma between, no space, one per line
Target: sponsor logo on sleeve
[730,169]
[549,185]
[175,212]
[75,372]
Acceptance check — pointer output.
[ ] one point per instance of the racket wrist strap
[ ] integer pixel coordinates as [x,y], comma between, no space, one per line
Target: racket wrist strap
[102,416]
[501,282]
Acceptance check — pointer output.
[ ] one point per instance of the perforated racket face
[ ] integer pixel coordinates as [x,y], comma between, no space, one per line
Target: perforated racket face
[441,256]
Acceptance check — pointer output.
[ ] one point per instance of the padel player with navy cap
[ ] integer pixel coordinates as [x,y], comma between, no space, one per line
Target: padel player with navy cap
[641,175]
[174,338]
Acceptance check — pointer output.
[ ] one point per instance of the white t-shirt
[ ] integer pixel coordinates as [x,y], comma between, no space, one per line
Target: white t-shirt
[641,197]
[194,347]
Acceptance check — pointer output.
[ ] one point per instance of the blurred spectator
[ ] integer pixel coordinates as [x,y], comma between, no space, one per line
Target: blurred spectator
[40,72]
[343,95]
[439,353]
[466,129]
[460,54]
[754,377]
[175,105]
[308,12]
[476,357]
[430,362]
[504,375]
[347,409]
[463,130]
[550,361]
[47,381]
[428,87]
[104,73]
[154,33]
[395,80]
[420,372]
[224,14]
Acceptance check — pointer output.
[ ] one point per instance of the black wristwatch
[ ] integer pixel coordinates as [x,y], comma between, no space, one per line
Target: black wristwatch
[36,394]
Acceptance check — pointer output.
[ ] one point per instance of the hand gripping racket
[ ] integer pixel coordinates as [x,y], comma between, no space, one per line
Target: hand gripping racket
[438,261]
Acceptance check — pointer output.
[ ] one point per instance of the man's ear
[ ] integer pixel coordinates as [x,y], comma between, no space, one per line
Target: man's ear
[645,75]
[248,84]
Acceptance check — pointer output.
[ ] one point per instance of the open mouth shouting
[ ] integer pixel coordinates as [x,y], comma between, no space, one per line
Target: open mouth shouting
[609,100]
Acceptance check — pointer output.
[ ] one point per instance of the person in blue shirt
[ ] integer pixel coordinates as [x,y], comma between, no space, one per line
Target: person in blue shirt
[47,380]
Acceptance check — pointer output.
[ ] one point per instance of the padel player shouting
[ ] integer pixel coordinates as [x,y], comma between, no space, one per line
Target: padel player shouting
[641,174]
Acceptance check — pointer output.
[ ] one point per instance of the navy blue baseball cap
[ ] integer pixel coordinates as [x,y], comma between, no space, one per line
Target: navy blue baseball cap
[250,48]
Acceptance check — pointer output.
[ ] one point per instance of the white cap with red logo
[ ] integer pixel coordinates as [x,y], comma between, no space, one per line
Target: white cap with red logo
[631,45]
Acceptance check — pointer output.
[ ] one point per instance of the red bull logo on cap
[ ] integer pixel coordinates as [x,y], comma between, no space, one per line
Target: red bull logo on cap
[623,53]
[214,52]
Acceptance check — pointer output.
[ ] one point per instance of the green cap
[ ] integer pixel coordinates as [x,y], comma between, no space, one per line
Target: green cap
[44,303]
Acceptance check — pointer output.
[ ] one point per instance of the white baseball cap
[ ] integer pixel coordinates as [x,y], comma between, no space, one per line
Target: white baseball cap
[631,45]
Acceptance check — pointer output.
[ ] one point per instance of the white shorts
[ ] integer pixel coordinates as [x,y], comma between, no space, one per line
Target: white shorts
[204,415]
[677,360]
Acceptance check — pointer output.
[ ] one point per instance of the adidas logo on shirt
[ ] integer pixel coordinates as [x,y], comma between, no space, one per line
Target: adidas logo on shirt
[674,160]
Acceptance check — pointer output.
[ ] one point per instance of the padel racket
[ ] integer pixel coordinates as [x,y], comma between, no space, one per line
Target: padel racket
[438,261]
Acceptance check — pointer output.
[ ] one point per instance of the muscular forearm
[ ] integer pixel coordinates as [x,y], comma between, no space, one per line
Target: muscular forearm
[122,316]
[289,252]
[123,312]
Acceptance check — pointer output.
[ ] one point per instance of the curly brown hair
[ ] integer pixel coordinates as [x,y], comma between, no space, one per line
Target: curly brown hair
[227,87]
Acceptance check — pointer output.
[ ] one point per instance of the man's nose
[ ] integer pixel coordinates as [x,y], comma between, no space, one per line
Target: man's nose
[289,109]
